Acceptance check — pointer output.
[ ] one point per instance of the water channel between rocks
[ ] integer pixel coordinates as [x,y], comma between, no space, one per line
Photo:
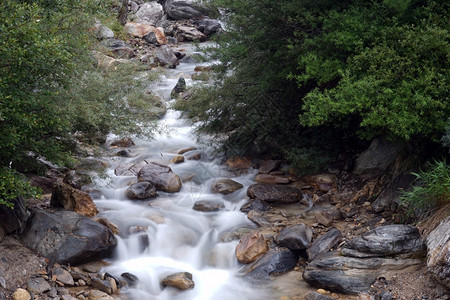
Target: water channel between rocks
[162,236]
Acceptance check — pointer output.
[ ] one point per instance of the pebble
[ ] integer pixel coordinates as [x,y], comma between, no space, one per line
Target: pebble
[21,294]
[322,291]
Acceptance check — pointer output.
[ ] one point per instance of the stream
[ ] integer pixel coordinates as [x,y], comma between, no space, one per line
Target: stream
[164,235]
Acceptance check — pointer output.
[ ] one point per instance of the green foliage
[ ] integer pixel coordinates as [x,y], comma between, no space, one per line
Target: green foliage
[431,190]
[13,185]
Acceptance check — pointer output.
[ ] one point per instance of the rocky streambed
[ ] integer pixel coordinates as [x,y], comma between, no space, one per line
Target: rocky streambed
[175,221]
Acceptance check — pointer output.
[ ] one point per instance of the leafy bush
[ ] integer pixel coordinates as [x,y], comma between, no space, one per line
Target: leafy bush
[431,189]
[13,185]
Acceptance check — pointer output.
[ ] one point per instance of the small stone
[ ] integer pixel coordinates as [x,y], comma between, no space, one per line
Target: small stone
[99,295]
[184,150]
[63,276]
[322,291]
[196,156]
[177,159]
[21,294]
[125,142]
[37,285]
[323,218]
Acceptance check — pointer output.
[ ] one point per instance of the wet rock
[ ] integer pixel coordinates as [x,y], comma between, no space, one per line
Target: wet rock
[177,159]
[386,240]
[67,197]
[108,285]
[179,88]
[187,33]
[324,243]
[208,206]
[181,281]
[63,276]
[202,68]
[13,219]
[130,278]
[165,57]
[272,179]
[250,247]
[125,142]
[129,169]
[196,156]
[77,179]
[322,182]
[105,222]
[238,164]
[38,285]
[275,193]
[150,13]
[161,176]
[141,191]
[256,205]
[438,258]
[182,9]
[225,186]
[124,153]
[275,262]
[380,155]
[68,237]
[295,237]
[268,218]
[184,150]
[99,295]
[350,275]
[21,294]
[209,26]
[317,296]
[102,32]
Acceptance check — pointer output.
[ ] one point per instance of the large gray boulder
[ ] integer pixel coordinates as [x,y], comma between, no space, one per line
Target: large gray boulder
[160,176]
[183,9]
[66,237]
[324,243]
[378,158]
[438,259]
[165,57]
[275,262]
[350,275]
[209,26]
[386,240]
[274,193]
[150,13]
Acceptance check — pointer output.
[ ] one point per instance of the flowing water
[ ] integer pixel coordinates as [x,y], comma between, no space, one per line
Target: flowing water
[165,235]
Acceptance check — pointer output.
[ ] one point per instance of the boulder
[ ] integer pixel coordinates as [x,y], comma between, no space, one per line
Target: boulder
[150,13]
[256,205]
[324,243]
[386,240]
[350,275]
[141,191]
[274,193]
[182,9]
[77,179]
[209,26]
[102,32]
[225,186]
[181,281]
[275,262]
[238,164]
[251,246]
[67,237]
[143,30]
[165,57]
[272,179]
[161,176]
[378,158]
[187,33]
[179,88]
[13,219]
[129,169]
[125,142]
[208,206]
[177,159]
[67,197]
[438,258]
[295,237]
[184,150]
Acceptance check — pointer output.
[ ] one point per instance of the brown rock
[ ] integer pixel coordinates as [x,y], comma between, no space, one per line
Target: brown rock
[181,281]
[182,151]
[202,68]
[125,142]
[268,166]
[99,295]
[177,159]
[225,186]
[21,294]
[438,258]
[275,193]
[322,182]
[238,163]
[63,276]
[196,156]
[107,223]
[208,206]
[323,217]
[251,246]
[272,179]
[140,30]
[72,199]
